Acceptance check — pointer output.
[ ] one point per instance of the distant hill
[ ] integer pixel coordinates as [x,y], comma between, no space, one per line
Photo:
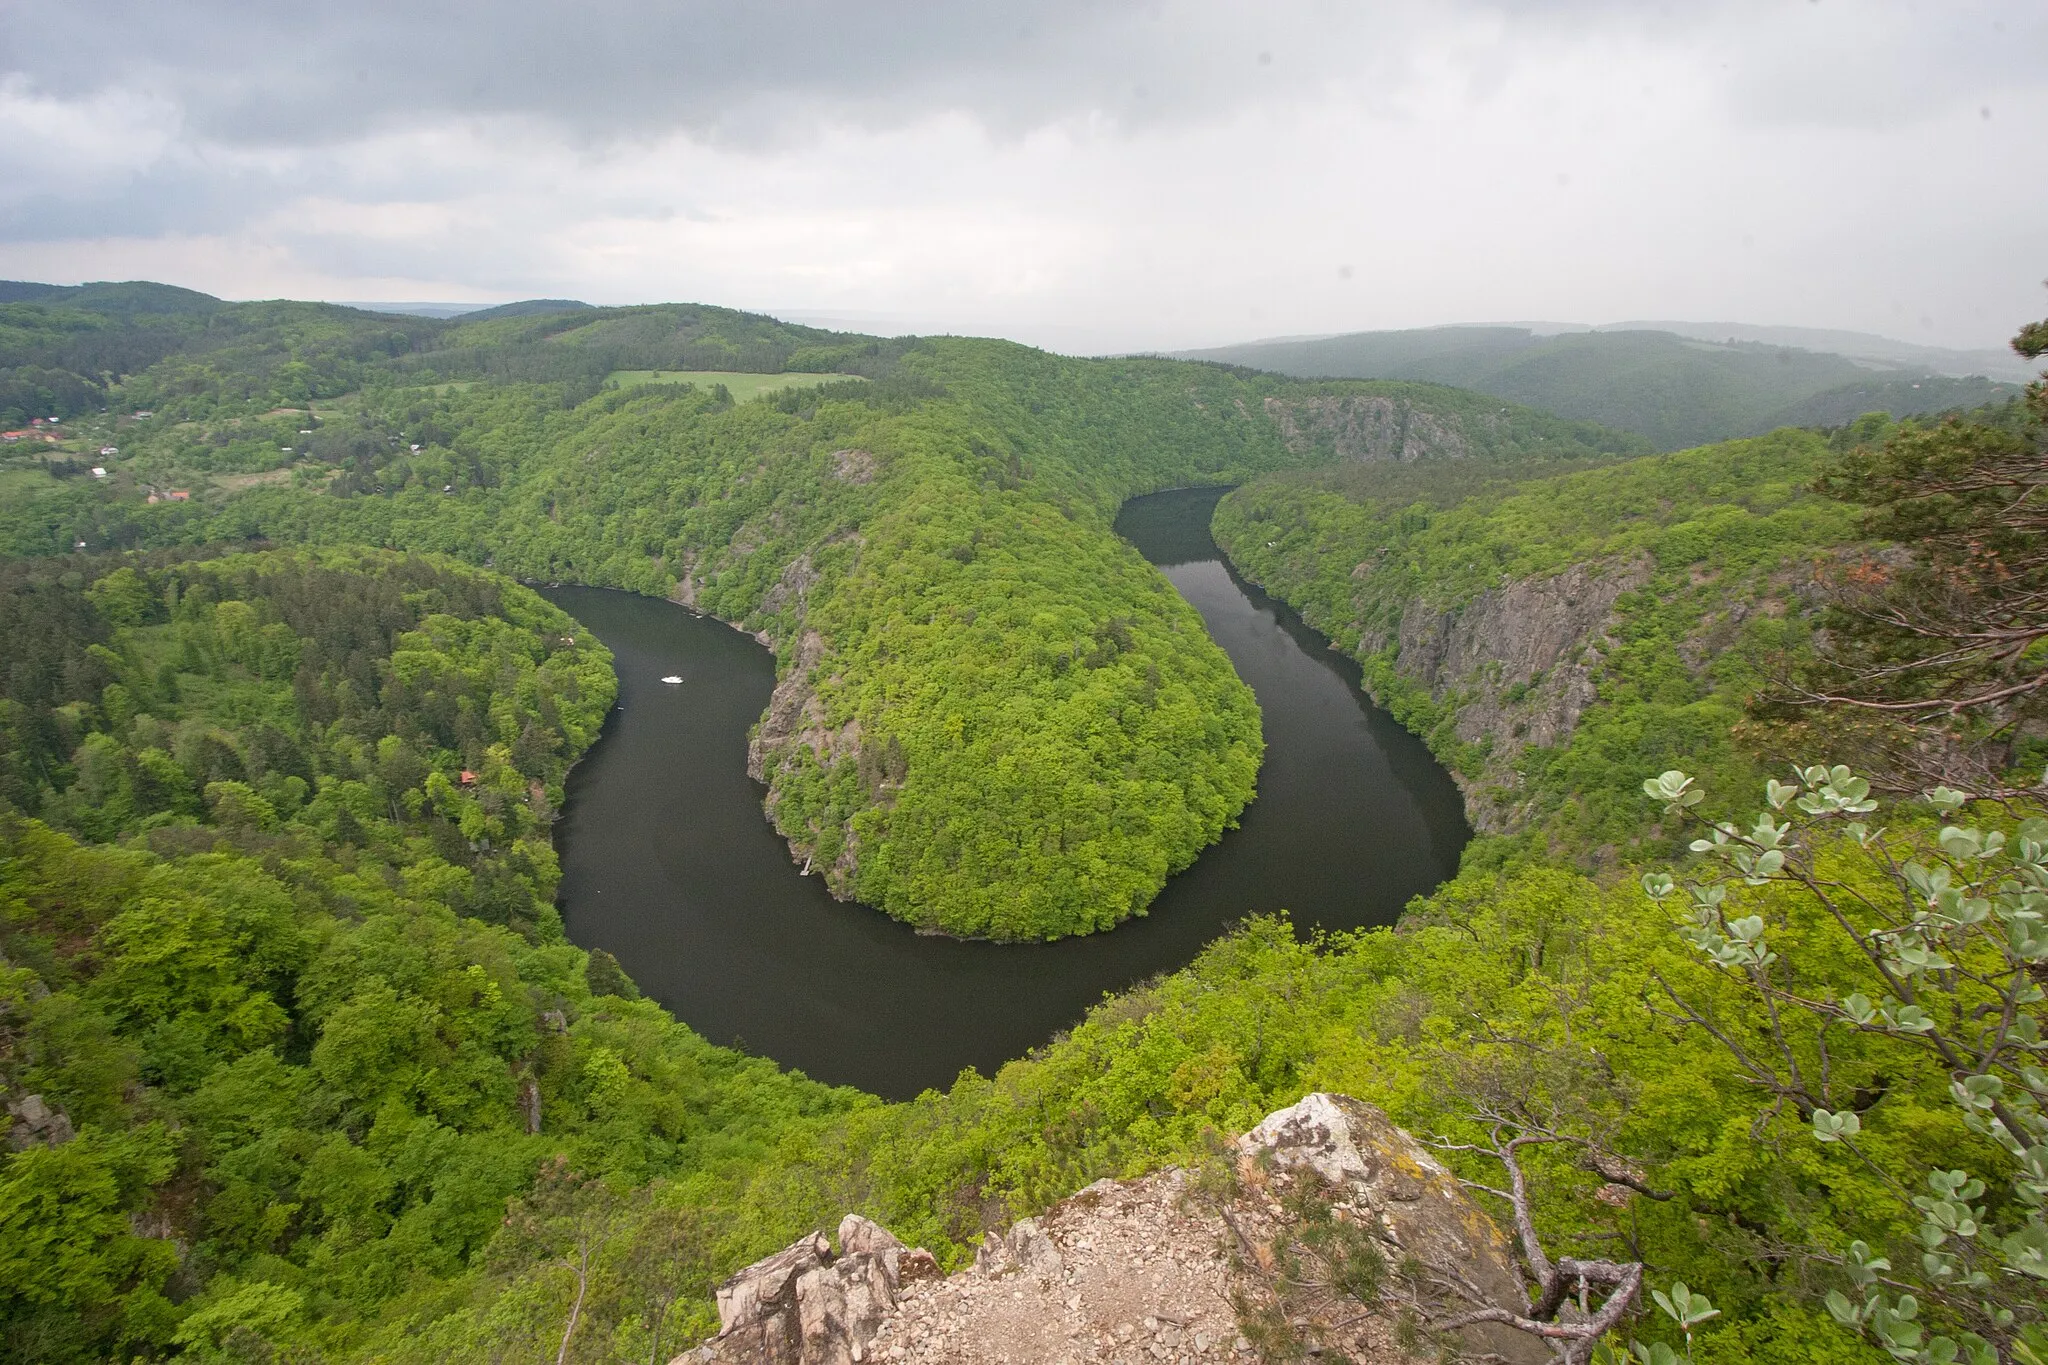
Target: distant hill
[439,311]
[470,311]
[65,345]
[66,349]
[125,297]
[526,308]
[1679,391]
[146,296]
[1999,363]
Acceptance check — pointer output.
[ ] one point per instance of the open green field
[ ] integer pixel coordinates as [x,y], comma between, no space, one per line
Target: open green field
[236,483]
[741,386]
[23,481]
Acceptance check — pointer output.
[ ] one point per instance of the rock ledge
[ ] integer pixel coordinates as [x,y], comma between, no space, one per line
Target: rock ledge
[1160,1269]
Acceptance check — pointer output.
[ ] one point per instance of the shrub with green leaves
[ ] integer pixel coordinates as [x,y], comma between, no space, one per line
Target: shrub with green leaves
[1945,926]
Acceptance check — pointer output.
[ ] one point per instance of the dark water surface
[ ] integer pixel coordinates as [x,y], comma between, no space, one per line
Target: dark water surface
[668,863]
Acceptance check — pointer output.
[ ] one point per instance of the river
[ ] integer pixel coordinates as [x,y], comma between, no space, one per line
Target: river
[669,864]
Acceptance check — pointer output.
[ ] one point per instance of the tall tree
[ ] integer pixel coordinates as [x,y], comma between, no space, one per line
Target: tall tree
[1939,655]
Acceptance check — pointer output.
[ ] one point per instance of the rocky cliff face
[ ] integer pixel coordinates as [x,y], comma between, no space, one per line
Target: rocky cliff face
[1521,659]
[795,719]
[795,729]
[806,1305]
[1358,426]
[1177,1266]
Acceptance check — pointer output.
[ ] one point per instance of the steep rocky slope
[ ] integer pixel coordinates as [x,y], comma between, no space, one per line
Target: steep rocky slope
[1408,422]
[1554,636]
[1519,663]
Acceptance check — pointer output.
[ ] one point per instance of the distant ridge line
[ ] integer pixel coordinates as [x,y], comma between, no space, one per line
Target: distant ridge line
[1710,382]
[1991,363]
[472,312]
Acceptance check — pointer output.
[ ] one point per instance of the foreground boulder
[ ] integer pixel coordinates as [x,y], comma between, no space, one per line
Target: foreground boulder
[1025,1248]
[806,1306]
[1371,1174]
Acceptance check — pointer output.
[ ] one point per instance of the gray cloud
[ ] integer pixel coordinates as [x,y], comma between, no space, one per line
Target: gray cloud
[261,74]
[1884,66]
[1202,166]
[250,73]
[174,195]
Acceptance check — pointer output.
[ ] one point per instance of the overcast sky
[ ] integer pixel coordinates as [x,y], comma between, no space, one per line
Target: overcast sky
[1083,174]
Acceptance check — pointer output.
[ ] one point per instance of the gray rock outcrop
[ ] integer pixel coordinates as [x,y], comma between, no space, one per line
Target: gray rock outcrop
[36,1122]
[1162,1267]
[854,466]
[796,718]
[806,1306]
[1375,1174]
[1363,426]
[1523,659]
[1025,1248]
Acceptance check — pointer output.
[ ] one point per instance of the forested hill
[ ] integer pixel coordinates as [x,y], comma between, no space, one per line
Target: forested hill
[1552,628]
[993,719]
[1678,391]
[411,707]
[68,350]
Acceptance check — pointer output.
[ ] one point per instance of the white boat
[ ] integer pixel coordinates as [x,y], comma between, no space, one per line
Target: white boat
[673,681]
